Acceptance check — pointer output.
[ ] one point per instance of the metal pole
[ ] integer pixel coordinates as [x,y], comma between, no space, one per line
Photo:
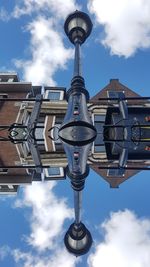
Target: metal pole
[124,168]
[24,99]
[77,205]
[24,166]
[77,61]
[126,98]
[100,167]
[77,71]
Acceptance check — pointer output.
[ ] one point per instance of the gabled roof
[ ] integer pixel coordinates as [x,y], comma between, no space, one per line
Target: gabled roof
[113,181]
[115,85]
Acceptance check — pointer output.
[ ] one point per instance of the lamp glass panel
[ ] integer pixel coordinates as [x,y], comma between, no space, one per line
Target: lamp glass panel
[77,22]
[77,244]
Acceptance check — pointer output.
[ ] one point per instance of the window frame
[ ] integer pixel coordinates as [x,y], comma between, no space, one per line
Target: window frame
[56,175]
[56,142]
[96,121]
[54,91]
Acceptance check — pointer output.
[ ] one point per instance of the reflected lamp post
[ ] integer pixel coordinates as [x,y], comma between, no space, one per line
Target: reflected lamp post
[77,133]
[124,133]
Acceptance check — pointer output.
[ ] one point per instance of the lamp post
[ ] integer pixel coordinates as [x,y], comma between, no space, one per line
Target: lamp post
[77,133]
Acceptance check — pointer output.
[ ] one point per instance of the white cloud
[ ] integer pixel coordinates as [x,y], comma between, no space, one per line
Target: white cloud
[45,50]
[48,53]
[4,251]
[47,216]
[126,243]
[60,258]
[4,16]
[59,8]
[126,24]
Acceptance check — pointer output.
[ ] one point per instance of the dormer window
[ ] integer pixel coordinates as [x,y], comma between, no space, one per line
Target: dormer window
[54,93]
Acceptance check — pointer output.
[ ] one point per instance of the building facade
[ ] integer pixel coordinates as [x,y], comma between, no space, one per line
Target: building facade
[30,148]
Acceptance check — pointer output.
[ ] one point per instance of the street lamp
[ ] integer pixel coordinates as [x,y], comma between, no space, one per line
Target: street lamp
[78,27]
[77,133]
[78,239]
[124,132]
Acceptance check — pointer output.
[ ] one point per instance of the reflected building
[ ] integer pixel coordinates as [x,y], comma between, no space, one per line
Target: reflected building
[23,160]
[14,118]
[48,133]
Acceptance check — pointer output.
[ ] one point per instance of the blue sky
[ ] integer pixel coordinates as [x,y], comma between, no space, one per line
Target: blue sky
[33,44]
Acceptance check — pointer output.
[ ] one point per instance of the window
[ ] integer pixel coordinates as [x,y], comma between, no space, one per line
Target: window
[59,119]
[115,172]
[54,95]
[41,118]
[39,133]
[99,120]
[99,149]
[99,117]
[115,94]
[58,146]
[41,148]
[54,172]
[99,127]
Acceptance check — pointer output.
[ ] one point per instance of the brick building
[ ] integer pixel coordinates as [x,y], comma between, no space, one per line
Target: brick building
[47,150]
